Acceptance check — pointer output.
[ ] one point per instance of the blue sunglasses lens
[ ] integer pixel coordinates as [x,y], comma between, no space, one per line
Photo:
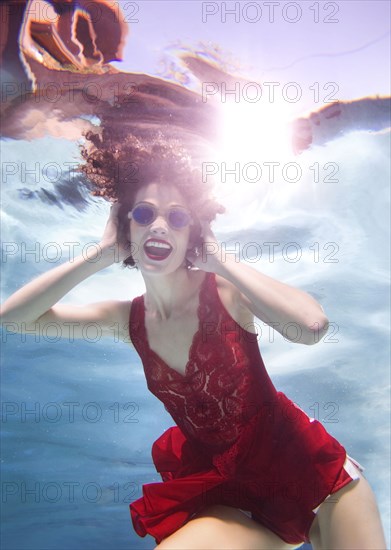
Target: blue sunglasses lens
[178,218]
[144,214]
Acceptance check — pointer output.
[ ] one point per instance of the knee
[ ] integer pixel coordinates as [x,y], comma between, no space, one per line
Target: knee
[350,518]
[357,493]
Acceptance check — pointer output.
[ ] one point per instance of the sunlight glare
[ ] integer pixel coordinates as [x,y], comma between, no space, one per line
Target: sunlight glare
[255,132]
[252,134]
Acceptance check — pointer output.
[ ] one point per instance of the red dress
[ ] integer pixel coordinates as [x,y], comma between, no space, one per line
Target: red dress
[238,441]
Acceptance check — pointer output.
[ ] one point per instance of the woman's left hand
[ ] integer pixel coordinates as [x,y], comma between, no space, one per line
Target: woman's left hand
[207,254]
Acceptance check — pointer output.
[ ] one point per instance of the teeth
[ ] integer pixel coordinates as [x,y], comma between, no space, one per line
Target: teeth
[158,244]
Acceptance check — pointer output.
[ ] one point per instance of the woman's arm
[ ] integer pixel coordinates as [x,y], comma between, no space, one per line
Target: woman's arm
[33,307]
[290,311]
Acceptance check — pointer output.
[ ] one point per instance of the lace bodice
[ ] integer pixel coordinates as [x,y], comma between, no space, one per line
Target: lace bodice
[225,381]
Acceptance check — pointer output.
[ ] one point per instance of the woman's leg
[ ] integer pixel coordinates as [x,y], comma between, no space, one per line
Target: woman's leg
[350,519]
[221,528]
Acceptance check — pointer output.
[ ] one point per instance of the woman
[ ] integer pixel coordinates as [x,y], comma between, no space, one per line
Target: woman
[245,468]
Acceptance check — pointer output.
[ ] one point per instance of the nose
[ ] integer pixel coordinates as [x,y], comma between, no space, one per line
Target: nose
[159,226]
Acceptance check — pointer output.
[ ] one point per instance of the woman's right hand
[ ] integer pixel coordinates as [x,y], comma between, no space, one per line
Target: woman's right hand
[110,243]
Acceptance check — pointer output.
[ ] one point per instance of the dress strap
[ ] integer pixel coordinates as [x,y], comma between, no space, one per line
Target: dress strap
[136,324]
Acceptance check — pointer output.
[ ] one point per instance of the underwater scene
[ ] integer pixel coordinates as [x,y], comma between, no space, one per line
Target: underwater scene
[287,106]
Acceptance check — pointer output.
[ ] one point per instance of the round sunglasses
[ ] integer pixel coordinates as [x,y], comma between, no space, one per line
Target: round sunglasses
[176,216]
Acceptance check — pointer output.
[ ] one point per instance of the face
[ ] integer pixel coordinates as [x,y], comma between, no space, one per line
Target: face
[159,248]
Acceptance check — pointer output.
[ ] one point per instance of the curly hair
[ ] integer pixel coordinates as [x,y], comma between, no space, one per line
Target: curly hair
[119,163]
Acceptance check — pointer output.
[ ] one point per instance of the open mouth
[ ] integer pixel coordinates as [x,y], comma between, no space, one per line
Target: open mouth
[157,249]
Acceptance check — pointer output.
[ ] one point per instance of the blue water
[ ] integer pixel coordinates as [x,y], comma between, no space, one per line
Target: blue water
[77,419]
[70,467]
